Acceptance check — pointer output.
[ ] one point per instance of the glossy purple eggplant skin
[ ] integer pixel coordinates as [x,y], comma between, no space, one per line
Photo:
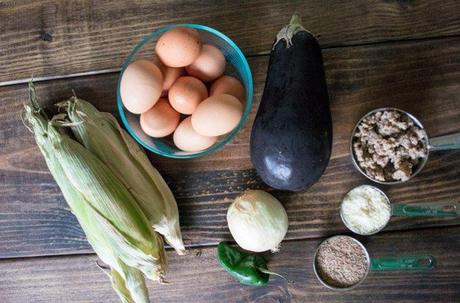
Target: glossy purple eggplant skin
[291,138]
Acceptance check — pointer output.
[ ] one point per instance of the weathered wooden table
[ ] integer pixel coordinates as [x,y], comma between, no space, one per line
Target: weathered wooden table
[376,53]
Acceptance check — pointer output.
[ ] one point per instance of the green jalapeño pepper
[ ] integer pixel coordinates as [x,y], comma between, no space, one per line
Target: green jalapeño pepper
[248,269]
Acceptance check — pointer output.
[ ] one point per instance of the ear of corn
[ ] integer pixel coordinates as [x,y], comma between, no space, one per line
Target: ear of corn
[100,133]
[114,224]
[114,207]
[127,281]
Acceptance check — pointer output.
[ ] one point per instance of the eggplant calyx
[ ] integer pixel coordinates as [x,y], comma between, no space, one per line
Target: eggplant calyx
[287,32]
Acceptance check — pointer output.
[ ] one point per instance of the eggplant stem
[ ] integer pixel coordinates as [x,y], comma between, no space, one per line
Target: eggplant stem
[287,32]
[296,20]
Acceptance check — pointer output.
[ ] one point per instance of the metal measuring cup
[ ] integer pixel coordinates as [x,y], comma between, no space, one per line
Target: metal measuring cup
[446,142]
[427,209]
[420,262]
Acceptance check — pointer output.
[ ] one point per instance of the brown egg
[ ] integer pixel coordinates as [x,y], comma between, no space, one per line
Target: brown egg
[187,139]
[209,65]
[179,46]
[170,75]
[186,93]
[141,86]
[230,86]
[217,115]
[161,120]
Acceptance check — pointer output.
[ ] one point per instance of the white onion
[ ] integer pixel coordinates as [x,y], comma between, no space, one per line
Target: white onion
[257,220]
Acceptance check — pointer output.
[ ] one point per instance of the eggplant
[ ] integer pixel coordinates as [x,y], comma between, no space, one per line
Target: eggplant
[291,139]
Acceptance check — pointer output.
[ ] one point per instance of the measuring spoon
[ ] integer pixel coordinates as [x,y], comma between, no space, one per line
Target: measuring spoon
[430,209]
[420,262]
[446,142]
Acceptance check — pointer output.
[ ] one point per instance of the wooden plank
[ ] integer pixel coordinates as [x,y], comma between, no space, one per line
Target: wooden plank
[51,38]
[421,77]
[197,277]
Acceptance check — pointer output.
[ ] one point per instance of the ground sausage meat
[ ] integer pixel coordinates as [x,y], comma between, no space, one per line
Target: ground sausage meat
[388,145]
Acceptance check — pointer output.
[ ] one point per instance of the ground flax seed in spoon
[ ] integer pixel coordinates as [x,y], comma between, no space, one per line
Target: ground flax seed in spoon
[341,262]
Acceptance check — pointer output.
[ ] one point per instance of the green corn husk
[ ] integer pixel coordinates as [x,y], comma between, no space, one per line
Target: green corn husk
[112,221]
[100,133]
[130,285]
[127,281]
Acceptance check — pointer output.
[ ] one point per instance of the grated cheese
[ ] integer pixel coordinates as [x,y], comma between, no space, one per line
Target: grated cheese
[365,210]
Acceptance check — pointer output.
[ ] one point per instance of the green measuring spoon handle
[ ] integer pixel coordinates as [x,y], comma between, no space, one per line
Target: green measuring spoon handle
[446,142]
[435,209]
[423,262]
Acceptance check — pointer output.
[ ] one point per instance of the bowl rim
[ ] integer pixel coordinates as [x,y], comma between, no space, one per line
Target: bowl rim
[249,91]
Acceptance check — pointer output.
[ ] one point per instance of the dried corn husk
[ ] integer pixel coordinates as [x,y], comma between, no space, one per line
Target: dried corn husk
[100,133]
[109,215]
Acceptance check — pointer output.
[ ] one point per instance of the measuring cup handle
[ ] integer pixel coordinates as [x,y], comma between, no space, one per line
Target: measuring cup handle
[446,142]
[422,262]
[433,209]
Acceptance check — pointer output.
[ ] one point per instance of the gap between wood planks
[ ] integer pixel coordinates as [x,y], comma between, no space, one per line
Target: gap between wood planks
[211,245]
[260,54]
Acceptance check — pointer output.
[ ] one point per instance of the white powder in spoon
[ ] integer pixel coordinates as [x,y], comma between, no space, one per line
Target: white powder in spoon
[365,210]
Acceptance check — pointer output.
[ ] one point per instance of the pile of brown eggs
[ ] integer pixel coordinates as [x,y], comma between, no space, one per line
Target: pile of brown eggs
[183,91]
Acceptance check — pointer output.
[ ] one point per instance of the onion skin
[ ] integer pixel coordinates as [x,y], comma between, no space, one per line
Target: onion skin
[257,221]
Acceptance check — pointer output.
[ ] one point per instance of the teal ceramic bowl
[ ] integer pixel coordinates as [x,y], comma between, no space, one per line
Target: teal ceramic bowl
[237,66]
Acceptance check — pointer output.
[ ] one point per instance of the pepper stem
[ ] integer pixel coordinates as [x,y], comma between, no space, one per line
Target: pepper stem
[268,272]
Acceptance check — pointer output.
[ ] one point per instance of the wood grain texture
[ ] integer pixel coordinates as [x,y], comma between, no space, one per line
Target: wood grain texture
[51,38]
[421,77]
[197,277]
